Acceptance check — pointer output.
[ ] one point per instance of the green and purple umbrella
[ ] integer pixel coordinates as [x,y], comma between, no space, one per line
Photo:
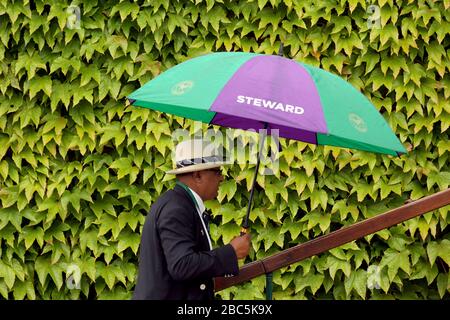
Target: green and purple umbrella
[250,91]
[255,91]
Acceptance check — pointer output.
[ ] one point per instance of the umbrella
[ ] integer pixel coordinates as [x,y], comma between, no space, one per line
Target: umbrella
[255,91]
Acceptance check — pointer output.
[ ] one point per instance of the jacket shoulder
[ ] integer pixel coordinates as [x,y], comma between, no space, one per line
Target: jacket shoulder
[173,196]
[173,199]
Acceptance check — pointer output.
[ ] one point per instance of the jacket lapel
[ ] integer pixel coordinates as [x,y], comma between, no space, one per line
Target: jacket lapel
[200,233]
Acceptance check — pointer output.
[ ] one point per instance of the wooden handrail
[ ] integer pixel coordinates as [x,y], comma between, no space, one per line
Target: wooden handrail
[335,239]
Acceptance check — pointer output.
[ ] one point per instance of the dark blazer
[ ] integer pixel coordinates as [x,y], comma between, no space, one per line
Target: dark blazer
[175,261]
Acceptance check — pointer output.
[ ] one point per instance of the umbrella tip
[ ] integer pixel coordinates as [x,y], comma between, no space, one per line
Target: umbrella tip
[280,50]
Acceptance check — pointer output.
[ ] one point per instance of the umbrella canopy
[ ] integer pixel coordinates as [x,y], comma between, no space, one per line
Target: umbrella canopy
[253,91]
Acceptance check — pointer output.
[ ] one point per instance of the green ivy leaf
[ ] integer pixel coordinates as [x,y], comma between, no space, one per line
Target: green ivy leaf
[3,289]
[113,130]
[442,179]
[269,236]
[300,179]
[88,239]
[109,85]
[228,213]
[357,281]
[338,253]
[64,64]
[123,165]
[107,273]
[319,197]
[442,284]
[336,60]
[10,215]
[394,63]
[258,213]
[40,83]
[126,9]
[336,264]
[228,189]
[8,275]
[109,223]
[395,260]
[284,280]
[175,21]
[359,257]
[439,249]
[293,227]
[20,290]
[129,218]
[32,234]
[128,239]
[371,60]
[388,32]
[42,267]
[341,22]
[214,17]
[60,92]
[363,190]
[316,218]
[249,291]
[416,73]
[29,63]
[314,281]
[268,16]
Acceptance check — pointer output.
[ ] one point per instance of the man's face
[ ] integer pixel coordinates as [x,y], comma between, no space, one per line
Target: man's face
[209,183]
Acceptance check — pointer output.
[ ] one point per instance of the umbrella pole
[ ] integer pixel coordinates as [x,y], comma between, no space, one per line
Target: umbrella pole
[245,225]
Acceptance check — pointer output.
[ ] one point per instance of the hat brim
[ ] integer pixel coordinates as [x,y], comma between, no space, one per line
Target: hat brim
[197,167]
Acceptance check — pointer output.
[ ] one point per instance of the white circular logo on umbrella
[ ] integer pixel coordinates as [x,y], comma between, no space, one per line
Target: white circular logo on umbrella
[182,87]
[357,122]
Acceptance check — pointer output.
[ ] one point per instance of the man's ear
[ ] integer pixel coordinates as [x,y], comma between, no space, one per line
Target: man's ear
[196,176]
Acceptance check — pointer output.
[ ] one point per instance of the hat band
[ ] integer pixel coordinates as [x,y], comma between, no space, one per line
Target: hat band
[190,162]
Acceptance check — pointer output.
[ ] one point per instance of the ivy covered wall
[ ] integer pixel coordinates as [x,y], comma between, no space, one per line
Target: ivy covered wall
[79,168]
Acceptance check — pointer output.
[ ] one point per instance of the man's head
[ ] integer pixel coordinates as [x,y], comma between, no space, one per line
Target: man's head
[198,166]
[205,182]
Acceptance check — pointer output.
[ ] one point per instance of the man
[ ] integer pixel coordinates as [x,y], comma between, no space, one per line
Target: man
[177,260]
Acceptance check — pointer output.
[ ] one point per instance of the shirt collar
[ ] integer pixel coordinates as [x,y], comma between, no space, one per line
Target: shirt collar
[201,205]
[201,209]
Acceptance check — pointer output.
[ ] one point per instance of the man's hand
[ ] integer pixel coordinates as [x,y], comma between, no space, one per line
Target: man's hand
[241,245]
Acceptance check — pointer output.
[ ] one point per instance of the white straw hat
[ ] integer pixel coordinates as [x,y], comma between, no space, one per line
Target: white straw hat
[195,155]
